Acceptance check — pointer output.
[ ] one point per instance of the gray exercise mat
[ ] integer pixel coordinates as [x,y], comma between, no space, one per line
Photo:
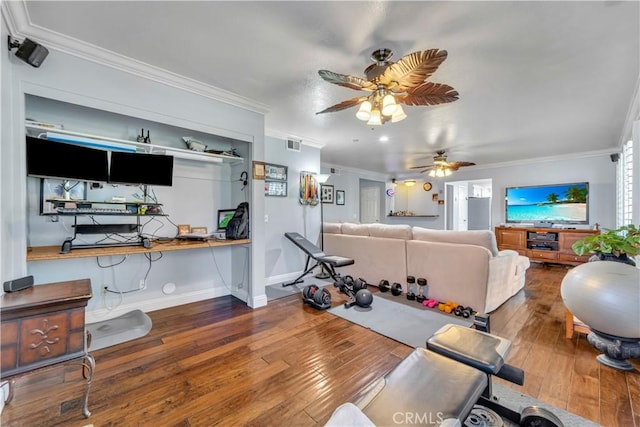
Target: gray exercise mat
[401,322]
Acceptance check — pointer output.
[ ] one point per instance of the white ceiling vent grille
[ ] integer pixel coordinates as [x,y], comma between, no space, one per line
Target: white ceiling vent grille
[334,171]
[293,144]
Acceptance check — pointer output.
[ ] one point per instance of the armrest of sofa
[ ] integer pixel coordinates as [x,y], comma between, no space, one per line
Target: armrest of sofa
[506,277]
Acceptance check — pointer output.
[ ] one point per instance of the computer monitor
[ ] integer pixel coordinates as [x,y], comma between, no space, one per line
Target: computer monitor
[53,159]
[134,168]
[224,215]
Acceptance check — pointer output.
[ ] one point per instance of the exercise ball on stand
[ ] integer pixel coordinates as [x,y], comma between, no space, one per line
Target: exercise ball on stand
[605,295]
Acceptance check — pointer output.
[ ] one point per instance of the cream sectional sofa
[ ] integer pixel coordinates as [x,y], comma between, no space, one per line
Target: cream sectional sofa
[461,266]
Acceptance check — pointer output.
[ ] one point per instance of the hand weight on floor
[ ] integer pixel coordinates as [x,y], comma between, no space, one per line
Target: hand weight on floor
[384,285]
[396,289]
[422,283]
[358,284]
[411,285]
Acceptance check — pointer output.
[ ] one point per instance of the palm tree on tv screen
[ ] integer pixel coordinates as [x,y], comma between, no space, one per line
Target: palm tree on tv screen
[553,198]
[576,194]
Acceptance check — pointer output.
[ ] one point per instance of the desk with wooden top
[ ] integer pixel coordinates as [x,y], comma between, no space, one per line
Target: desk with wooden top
[45,253]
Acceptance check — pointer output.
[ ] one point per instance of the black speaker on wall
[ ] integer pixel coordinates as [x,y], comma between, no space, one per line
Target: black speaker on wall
[615,157]
[31,52]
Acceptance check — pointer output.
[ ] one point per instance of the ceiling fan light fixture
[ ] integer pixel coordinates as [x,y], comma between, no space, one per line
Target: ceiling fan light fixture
[398,115]
[364,112]
[375,119]
[389,105]
[432,173]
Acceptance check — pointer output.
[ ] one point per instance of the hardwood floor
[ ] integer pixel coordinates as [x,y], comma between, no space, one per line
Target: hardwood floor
[218,362]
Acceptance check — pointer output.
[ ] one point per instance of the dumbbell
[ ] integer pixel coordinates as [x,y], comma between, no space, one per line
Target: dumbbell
[461,311]
[447,306]
[396,289]
[430,303]
[422,283]
[358,284]
[411,285]
[384,285]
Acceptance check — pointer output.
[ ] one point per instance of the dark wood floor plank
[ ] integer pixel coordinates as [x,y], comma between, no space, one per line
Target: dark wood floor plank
[218,362]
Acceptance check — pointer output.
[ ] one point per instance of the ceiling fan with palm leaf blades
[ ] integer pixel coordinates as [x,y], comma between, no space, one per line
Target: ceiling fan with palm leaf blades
[391,84]
[441,167]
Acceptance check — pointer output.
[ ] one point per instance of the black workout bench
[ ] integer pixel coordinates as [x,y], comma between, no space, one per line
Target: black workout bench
[328,262]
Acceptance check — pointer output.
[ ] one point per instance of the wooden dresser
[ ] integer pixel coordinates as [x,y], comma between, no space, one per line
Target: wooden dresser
[44,325]
[543,244]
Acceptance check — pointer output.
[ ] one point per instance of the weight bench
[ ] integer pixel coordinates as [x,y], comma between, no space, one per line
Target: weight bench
[446,384]
[328,262]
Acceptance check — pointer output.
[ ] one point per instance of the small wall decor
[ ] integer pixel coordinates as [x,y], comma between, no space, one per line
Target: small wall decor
[441,202]
[434,197]
[427,186]
[308,189]
[339,197]
[326,193]
[258,170]
[275,180]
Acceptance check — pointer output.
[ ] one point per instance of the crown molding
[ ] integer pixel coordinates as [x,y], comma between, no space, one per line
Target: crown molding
[273,133]
[19,24]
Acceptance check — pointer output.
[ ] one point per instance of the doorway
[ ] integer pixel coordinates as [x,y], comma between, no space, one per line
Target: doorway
[468,205]
[370,205]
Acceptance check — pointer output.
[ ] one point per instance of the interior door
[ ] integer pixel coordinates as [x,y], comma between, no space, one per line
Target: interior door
[369,205]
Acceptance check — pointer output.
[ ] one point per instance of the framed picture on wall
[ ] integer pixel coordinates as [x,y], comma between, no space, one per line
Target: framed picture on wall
[326,193]
[339,197]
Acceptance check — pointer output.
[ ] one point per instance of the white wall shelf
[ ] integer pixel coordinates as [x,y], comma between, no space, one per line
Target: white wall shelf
[132,146]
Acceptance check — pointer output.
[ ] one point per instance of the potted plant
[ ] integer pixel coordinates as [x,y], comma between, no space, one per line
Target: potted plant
[612,245]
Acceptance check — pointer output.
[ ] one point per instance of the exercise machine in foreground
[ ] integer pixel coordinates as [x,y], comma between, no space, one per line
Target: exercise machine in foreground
[448,383]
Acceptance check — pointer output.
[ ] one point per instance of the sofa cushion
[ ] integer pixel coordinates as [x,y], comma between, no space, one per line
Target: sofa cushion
[395,231]
[332,228]
[355,229]
[484,238]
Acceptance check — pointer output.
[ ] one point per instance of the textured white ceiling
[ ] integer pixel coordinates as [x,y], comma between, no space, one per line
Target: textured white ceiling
[535,79]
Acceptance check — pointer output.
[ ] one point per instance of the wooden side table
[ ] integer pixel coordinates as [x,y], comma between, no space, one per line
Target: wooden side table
[43,326]
[573,325]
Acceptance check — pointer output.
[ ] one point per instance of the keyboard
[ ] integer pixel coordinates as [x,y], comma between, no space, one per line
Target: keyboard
[92,211]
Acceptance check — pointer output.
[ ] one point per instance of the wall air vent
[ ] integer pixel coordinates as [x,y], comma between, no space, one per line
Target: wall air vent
[334,171]
[293,144]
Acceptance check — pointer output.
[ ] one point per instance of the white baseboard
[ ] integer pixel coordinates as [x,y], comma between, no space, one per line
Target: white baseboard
[155,304]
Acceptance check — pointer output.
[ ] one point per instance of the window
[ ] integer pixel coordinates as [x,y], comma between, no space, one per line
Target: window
[624,180]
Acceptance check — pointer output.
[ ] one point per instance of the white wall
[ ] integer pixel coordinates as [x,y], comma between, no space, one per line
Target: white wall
[597,169]
[77,81]
[283,260]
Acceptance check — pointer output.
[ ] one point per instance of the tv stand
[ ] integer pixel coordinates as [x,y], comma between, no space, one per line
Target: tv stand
[552,245]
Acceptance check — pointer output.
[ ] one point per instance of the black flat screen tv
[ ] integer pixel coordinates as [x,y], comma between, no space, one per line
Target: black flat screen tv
[556,203]
[137,169]
[53,159]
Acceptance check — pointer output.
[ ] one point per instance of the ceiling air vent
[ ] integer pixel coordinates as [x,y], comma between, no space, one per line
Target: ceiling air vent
[293,144]
[334,171]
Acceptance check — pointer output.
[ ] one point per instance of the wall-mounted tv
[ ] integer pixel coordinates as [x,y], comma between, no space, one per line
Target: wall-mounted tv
[136,169]
[556,203]
[53,159]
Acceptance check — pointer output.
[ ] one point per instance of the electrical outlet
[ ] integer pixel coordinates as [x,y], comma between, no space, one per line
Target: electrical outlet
[143,284]
[104,289]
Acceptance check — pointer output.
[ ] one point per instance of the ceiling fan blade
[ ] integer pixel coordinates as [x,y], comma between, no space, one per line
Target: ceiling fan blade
[428,94]
[461,164]
[352,82]
[413,69]
[344,105]
[422,167]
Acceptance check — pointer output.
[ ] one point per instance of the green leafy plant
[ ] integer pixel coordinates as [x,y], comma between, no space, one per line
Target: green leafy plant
[623,240]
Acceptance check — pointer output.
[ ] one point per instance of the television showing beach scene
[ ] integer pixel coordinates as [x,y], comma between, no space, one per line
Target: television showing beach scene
[557,203]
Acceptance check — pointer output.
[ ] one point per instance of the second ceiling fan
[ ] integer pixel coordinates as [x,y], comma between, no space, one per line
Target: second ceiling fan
[441,167]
